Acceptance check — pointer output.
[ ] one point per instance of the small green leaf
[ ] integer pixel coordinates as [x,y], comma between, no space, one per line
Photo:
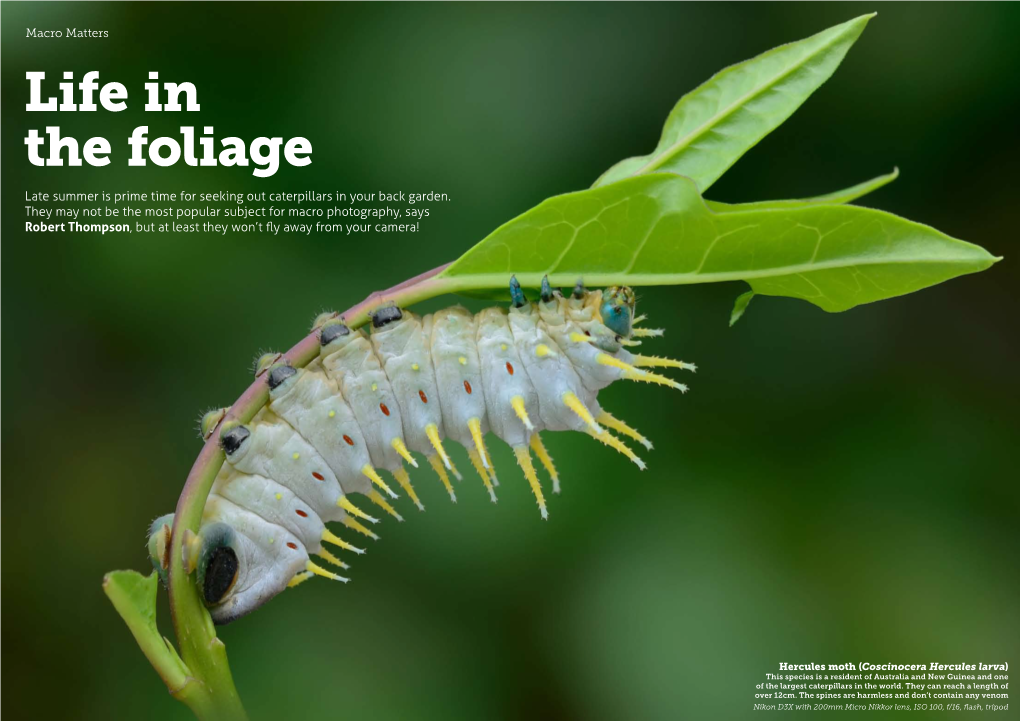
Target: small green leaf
[657,230]
[847,195]
[740,305]
[716,123]
[134,597]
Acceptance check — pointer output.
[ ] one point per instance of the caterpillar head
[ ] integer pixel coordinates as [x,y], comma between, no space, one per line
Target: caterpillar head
[243,561]
[617,309]
[218,561]
[237,565]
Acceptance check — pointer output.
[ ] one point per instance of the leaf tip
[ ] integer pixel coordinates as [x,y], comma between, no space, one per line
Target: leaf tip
[740,305]
[861,21]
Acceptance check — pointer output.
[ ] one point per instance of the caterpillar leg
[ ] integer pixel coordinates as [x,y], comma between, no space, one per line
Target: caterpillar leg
[651,361]
[547,462]
[330,558]
[398,445]
[571,401]
[437,466]
[346,504]
[329,537]
[616,444]
[610,421]
[377,498]
[320,571]
[354,525]
[192,547]
[373,476]
[405,482]
[476,461]
[524,461]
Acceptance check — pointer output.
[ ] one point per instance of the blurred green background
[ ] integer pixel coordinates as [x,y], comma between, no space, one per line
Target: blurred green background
[834,488]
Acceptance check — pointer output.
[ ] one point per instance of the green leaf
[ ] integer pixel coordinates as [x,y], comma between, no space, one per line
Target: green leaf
[716,123]
[134,597]
[740,305]
[657,230]
[847,195]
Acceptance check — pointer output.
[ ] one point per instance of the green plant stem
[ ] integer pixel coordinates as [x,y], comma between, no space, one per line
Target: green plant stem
[212,695]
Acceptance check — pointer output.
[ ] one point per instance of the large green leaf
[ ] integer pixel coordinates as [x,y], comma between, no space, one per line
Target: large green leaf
[657,230]
[716,123]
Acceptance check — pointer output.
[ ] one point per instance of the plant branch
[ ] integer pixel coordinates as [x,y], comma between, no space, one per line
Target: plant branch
[204,655]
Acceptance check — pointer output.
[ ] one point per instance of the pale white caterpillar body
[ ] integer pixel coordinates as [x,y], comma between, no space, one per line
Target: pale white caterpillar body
[370,401]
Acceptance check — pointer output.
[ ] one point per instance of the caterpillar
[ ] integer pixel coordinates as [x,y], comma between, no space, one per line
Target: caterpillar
[370,401]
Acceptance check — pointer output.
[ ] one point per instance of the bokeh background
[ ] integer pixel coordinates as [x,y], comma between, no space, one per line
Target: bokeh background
[834,488]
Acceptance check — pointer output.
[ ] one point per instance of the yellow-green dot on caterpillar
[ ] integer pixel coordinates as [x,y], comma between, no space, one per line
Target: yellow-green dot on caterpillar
[502,346]
[462,360]
[272,540]
[279,496]
[332,414]
[415,367]
[375,386]
[296,455]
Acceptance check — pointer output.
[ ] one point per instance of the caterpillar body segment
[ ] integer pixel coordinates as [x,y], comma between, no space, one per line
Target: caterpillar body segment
[504,378]
[371,400]
[312,404]
[550,372]
[400,340]
[275,450]
[458,373]
[349,360]
[269,500]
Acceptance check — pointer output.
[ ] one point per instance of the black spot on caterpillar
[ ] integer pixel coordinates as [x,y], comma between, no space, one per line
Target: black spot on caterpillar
[331,332]
[232,439]
[279,374]
[385,315]
[220,574]
[371,401]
